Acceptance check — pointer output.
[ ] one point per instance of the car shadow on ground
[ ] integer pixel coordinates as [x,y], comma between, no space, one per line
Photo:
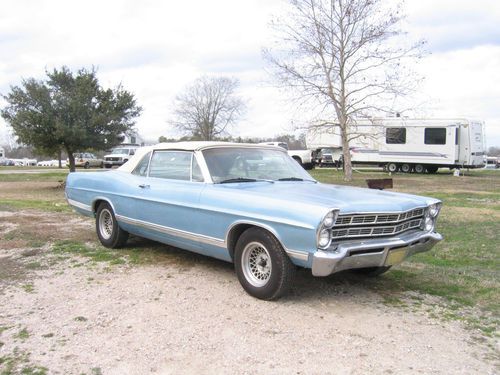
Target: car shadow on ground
[343,285]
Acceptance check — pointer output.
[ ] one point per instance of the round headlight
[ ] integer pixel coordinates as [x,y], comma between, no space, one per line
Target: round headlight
[324,238]
[429,224]
[434,209]
[329,220]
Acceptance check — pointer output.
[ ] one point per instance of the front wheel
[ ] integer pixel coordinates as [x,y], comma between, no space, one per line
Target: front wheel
[262,266]
[108,230]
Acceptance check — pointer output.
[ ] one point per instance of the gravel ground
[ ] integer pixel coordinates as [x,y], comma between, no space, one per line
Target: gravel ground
[193,317]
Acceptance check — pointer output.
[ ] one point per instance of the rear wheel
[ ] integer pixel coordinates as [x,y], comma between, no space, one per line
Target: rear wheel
[108,231]
[262,266]
[86,165]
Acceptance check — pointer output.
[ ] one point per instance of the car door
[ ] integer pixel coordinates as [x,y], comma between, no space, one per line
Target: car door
[167,198]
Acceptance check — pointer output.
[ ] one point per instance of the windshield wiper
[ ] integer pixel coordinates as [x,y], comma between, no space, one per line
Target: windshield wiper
[242,179]
[294,179]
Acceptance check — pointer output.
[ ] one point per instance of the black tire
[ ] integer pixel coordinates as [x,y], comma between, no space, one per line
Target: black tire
[108,231]
[392,167]
[419,168]
[86,165]
[255,248]
[371,271]
[108,165]
[405,168]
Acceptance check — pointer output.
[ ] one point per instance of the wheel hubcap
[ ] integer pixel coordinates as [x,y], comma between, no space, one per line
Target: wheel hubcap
[256,264]
[106,224]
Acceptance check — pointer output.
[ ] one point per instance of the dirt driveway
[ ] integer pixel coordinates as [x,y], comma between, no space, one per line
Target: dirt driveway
[68,313]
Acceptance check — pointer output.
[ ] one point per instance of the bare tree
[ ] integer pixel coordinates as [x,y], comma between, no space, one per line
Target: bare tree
[342,55]
[208,107]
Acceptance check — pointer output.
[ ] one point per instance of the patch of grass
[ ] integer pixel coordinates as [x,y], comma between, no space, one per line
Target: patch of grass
[45,176]
[19,363]
[96,253]
[23,334]
[34,266]
[28,288]
[35,204]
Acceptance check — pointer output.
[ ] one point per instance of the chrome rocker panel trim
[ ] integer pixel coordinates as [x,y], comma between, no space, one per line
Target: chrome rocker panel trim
[362,254]
[79,205]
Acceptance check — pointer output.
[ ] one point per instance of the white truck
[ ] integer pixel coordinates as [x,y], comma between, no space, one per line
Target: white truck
[120,155]
[304,157]
[409,145]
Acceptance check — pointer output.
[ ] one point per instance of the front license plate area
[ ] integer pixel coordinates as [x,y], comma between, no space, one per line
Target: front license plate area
[395,256]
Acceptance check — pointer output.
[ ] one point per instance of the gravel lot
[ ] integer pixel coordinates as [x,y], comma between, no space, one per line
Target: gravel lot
[72,316]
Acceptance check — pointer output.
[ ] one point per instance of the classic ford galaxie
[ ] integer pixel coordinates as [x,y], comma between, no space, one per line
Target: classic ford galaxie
[253,205]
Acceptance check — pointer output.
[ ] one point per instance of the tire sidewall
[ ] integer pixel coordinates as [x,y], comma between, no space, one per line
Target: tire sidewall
[113,239]
[272,288]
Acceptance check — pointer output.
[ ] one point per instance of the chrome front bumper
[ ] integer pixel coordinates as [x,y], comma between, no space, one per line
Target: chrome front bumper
[371,252]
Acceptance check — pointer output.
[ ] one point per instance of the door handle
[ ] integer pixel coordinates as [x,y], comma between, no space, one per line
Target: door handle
[144,186]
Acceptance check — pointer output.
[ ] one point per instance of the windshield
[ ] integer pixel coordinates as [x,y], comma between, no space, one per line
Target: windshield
[235,164]
[120,151]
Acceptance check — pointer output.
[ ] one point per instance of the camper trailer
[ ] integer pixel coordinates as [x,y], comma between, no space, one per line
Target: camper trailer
[409,145]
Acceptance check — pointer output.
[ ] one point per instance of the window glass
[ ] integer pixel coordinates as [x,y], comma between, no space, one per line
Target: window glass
[173,165]
[395,135]
[252,163]
[142,168]
[435,136]
[197,174]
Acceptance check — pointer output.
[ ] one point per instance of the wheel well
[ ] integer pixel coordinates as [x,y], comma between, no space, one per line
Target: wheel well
[297,159]
[234,235]
[96,204]
[237,231]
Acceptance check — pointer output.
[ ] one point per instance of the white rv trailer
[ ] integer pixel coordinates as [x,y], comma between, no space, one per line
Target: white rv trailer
[408,145]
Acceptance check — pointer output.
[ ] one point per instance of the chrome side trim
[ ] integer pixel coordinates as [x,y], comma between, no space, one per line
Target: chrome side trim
[300,255]
[80,205]
[173,232]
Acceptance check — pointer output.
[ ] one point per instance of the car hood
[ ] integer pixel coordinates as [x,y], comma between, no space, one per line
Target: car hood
[348,199]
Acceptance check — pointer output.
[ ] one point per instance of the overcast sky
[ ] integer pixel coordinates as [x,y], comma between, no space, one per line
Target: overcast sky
[155,48]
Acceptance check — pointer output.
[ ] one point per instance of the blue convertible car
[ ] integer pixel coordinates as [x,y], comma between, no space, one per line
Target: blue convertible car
[255,206]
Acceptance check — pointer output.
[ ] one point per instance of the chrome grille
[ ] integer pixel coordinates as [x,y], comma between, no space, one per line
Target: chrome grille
[378,218]
[375,231]
[375,225]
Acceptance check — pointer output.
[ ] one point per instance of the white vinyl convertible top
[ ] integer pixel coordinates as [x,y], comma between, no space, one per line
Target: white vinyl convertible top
[185,146]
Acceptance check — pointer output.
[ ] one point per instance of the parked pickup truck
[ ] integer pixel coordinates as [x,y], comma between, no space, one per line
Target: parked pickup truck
[119,155]
[305,158]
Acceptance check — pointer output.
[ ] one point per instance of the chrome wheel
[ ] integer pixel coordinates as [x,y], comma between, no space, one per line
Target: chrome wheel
[106,224]
[256,264]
